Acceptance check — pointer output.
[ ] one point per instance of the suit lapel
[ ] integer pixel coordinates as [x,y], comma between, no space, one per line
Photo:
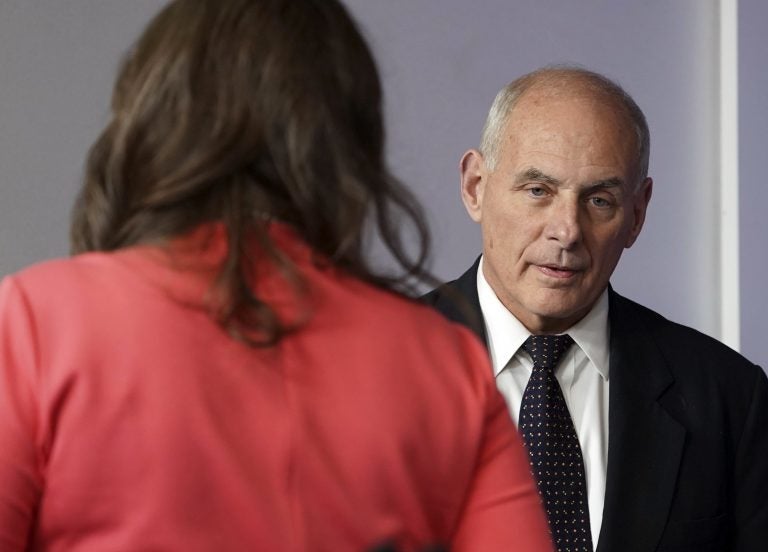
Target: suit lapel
[645,441]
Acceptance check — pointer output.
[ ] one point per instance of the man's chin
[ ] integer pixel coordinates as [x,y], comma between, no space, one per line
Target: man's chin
[555,317]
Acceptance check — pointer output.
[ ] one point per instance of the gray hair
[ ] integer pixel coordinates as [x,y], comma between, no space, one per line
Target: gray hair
[559,77]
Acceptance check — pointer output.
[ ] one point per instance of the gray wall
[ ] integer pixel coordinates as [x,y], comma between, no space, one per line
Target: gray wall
[753,141]
[57,64]
[442,62]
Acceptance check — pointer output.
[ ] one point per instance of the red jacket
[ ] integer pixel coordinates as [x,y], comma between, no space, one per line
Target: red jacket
[129,420]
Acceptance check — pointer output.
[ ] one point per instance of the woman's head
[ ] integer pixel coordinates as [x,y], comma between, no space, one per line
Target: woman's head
[239,111]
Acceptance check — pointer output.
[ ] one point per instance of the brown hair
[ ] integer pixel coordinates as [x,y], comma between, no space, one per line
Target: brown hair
[242,110]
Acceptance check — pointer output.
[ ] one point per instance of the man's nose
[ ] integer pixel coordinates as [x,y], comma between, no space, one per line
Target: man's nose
[564,222]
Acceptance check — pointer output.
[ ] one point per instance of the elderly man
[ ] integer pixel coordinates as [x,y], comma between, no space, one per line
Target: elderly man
[642,434]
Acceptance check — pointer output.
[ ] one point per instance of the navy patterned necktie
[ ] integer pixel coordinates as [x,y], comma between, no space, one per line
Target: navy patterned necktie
[553,447]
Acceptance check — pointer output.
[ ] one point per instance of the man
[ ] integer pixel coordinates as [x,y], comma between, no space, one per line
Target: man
[670,426]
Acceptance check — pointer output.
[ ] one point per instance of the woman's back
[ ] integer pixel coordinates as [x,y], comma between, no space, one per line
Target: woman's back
[144,426]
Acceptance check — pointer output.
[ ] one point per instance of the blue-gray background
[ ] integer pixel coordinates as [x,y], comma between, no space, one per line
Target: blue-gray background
[442,62]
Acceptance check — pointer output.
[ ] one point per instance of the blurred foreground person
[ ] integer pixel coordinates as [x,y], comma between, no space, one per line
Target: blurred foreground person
[218,368]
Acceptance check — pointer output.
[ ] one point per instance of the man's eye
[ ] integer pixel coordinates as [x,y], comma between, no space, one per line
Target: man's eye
[600,202]
[537,192]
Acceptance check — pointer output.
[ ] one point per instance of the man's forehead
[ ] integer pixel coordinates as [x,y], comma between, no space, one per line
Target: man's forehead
[590,107]
[578,158]
[583,122]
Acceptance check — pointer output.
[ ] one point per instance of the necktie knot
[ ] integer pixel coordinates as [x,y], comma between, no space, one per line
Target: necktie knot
[546,350]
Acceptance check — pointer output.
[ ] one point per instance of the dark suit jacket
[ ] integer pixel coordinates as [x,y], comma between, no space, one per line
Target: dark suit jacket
[688,432]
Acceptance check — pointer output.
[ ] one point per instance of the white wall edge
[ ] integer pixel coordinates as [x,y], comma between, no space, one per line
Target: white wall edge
[730,311]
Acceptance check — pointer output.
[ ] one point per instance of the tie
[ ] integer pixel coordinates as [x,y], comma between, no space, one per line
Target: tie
[553,447]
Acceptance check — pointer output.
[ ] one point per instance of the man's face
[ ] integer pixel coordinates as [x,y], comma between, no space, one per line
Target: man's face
[558,208]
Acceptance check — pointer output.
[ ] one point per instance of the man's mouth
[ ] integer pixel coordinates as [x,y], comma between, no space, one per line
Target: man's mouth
[557,271]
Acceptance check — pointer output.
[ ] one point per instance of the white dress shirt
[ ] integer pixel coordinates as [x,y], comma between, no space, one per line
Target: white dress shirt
[582,374]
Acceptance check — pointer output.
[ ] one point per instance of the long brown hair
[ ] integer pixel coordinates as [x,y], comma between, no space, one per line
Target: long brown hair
[240,110]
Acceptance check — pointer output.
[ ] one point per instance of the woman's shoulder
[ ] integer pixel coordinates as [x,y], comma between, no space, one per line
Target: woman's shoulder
[405,326]
[75,281]
[53,273]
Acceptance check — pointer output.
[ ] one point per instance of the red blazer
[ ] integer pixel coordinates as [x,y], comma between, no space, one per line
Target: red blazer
[130,421]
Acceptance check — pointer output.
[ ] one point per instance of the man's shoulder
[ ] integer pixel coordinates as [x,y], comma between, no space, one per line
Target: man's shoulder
[438,295]
[682,346]
[465,285]
[457,300]
[648,351]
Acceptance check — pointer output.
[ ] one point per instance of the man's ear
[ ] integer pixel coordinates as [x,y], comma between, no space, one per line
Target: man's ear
[639,207]
[473,179]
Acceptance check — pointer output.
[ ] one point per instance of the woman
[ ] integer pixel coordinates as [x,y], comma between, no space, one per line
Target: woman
[219,367]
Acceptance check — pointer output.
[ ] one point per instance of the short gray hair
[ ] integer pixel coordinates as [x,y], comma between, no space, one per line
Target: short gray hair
[557,77]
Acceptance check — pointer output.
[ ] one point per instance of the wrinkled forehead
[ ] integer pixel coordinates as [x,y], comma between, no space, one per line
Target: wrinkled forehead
[588,107]
[579,120]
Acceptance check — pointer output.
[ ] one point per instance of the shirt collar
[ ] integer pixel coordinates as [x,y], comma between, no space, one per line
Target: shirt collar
[506,334]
